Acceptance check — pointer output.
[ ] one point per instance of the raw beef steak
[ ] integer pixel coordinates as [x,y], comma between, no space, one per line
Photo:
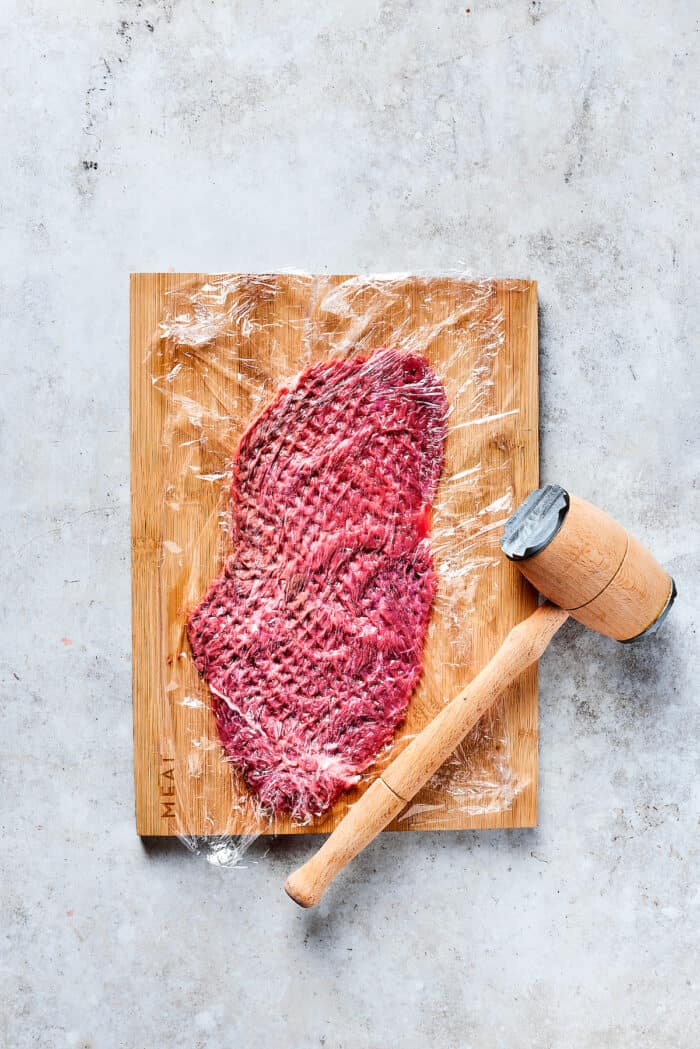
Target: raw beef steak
[311,638]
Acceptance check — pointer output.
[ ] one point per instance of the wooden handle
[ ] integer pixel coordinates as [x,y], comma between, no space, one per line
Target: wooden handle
[375,809]
[412,769]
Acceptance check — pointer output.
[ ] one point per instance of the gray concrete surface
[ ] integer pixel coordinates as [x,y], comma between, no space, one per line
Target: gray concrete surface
[549,140]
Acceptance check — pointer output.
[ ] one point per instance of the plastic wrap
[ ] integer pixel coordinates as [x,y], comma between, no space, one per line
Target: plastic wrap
[223,349]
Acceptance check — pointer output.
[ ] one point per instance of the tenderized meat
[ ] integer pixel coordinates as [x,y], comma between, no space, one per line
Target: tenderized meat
[311,639]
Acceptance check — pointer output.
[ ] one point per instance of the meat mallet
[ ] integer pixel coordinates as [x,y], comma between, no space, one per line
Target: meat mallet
[586,566]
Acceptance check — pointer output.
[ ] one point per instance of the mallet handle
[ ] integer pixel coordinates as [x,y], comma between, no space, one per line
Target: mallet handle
[424,755]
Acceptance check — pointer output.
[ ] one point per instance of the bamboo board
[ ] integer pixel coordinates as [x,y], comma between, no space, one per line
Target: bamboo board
[182,784]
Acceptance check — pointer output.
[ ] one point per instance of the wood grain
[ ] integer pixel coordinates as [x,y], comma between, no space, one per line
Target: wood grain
[599,572]
[275,326]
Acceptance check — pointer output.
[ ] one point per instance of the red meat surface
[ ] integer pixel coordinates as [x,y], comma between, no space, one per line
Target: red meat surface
[311,638]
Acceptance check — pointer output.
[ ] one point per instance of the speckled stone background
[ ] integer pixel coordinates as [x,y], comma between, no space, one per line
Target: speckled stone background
[555,141]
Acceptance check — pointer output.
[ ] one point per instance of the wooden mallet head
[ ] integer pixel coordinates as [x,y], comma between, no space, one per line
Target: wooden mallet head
[586,563]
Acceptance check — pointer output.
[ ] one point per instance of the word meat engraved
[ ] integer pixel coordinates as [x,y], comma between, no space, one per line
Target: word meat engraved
[167,789]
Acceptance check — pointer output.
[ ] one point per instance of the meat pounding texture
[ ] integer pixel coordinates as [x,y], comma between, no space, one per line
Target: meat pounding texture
[311,639]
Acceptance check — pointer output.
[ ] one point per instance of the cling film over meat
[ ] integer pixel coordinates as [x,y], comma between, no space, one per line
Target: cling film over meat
[311,638]
[349,551]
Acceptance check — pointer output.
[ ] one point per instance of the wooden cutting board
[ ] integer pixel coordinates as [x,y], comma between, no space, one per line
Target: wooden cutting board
[189,406]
